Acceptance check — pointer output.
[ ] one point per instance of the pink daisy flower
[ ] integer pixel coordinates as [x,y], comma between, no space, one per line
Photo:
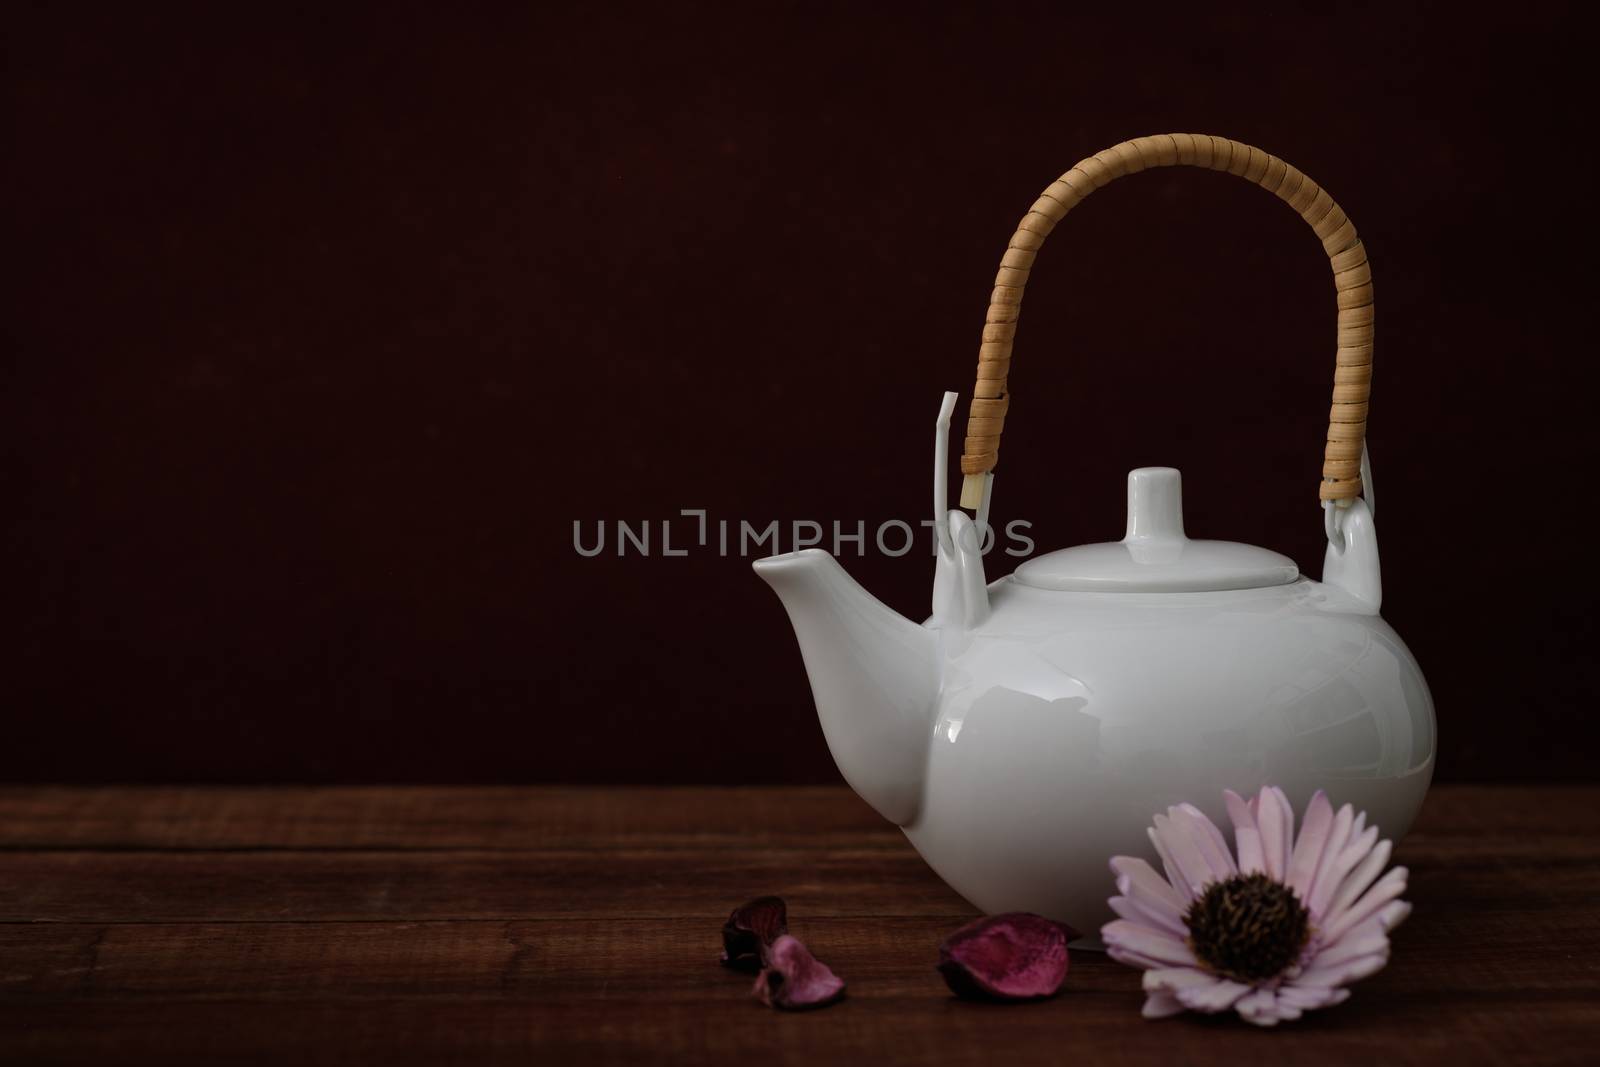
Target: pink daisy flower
[1279,932]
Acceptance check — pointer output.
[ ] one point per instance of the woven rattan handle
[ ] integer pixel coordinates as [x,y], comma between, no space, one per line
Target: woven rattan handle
[1352,376]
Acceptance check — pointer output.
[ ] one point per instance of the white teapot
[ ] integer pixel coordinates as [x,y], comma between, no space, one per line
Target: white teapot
[1031,727]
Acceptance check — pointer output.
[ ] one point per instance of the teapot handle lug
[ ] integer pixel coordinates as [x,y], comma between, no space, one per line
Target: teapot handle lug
[968,589]
[960,591]
[1351,562]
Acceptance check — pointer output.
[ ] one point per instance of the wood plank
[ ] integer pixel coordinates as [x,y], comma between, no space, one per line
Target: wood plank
[408,886]
[513,818]
[634,883]
[431,818]
[1455,949]
[1091,1028]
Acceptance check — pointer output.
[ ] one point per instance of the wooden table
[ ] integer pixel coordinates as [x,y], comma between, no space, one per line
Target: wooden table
[557,925]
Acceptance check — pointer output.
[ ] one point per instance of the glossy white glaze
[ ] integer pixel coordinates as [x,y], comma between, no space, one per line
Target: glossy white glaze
[1069,719]
[1024,735]
[874,675]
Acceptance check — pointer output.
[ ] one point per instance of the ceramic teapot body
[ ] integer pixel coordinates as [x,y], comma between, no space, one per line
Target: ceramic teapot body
[1024,734]
[1068,719]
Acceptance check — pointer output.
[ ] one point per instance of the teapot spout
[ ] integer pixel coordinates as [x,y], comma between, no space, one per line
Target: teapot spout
[874,675]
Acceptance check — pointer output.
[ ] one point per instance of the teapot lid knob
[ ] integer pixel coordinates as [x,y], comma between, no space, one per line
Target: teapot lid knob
[1155,505]
[1156,556]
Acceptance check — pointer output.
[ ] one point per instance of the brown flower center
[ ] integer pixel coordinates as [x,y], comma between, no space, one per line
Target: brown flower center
[1248,928]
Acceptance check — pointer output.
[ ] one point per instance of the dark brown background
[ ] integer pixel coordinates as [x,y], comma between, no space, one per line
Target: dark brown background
[323,330]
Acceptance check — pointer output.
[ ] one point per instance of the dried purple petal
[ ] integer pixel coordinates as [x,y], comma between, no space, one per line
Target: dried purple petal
[750,929]
[1016,956]
[795,979]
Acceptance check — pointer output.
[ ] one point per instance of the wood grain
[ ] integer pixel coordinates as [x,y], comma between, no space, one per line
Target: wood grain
[580,925]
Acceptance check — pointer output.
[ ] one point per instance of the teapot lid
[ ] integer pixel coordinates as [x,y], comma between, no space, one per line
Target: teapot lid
[1156,556]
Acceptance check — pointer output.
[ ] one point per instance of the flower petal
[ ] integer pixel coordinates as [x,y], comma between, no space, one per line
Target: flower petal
[1309,998]
[1336,870]
[1246,834]
[1326,880]
[1276,819]
[1356,882]
[1160,1005]
[1172,979]
[1184,848]
[1342,973]
[1386,889]
[1362,842]
[1314,836]
[1259,1006]
[1393,914]
[1213,846]
[1142,946]
[1136,911]
[794,979]
[1175,877]
[751,930]
[1138,879]
[1369,939]
[1219,996]
[1013,956]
